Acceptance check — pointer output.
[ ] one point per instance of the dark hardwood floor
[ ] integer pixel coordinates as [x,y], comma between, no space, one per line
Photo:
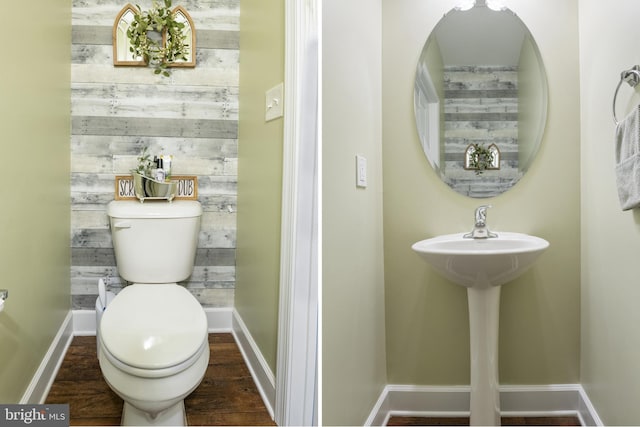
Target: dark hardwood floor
[226,396]
[464,421]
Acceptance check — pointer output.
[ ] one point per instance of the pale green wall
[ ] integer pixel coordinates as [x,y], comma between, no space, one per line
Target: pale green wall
[609,35]
[34,219]
[426,318]
[259,173]
[353,340]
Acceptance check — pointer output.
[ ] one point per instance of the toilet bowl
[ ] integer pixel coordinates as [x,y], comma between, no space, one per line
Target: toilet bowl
[153,351]
[153,337]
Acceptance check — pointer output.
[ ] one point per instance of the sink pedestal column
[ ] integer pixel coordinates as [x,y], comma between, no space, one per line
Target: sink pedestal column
[484,312]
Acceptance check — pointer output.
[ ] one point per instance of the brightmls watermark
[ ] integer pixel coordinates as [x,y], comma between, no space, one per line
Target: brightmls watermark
[34,415]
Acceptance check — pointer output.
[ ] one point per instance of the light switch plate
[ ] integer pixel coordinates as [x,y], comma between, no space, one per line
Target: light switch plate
[361,171]
[274,103]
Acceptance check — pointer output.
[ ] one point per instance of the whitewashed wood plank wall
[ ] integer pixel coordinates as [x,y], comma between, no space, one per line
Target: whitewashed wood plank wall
[116,111]
[481,106]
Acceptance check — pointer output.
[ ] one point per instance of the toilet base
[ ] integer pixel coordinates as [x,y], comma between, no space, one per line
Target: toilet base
[172,416]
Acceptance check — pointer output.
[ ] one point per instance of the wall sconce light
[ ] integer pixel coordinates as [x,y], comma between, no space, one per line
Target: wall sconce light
[465,4]
[496,5]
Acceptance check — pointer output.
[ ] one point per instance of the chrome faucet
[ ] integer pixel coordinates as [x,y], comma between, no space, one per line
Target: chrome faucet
[480,230]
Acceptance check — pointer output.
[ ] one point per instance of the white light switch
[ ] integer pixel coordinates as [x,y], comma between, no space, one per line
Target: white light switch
[274,101]
[361,171]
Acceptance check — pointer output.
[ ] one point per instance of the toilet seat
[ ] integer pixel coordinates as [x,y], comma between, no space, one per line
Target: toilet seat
[155,373]
[153,329]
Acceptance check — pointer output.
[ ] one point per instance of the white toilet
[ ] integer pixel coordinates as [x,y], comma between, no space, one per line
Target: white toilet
[153,340]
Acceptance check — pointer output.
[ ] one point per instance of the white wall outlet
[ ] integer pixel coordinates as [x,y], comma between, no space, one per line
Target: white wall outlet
[361,171]
[274,103]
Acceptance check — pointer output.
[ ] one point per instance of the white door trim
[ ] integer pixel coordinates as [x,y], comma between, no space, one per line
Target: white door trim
[296,373]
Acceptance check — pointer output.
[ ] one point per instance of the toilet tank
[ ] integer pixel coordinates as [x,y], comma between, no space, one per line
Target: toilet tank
[154,242]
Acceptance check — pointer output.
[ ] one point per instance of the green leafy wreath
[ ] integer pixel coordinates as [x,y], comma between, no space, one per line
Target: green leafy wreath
[480,159]
[170,47]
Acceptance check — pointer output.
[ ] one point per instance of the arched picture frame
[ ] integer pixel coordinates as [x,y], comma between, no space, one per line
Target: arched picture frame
[121,54]
[492,150]
[181,15]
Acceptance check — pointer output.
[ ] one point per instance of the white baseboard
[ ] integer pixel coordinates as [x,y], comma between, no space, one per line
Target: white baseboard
[84,322]
[218,320]
[436,401]
[260,371]
[587,412]
[42,380]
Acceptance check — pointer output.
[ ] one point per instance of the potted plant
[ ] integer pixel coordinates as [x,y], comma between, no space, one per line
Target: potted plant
[145,164]
[145,184]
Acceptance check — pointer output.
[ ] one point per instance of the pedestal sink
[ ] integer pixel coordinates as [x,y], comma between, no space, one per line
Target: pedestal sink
[482,266]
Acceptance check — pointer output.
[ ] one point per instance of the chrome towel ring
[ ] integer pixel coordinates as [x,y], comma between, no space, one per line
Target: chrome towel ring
[632,77]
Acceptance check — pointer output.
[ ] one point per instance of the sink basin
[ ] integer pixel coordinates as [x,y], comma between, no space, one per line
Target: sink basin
[482,266]
[481,263]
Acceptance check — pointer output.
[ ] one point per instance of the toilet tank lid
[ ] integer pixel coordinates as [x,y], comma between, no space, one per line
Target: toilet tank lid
[154,209]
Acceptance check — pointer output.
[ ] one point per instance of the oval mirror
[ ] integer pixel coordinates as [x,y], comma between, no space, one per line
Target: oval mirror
[480,99]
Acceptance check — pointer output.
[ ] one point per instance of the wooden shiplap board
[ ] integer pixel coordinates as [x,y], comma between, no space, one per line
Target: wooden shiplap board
[193,115]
